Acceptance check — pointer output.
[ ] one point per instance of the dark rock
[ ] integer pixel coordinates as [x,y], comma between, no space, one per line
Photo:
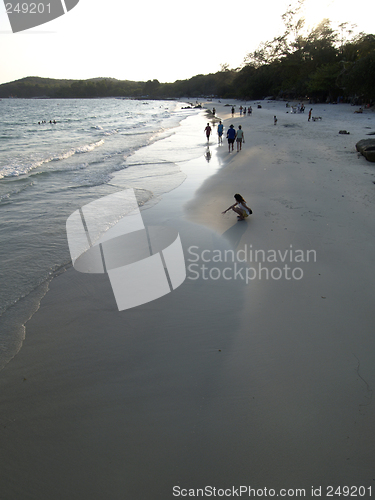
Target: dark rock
[367,148]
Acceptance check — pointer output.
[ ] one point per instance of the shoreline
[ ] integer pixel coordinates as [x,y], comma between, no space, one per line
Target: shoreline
[222,382]
[15,317]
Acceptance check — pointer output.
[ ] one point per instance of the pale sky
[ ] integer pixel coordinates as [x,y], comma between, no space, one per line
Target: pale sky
[160,39]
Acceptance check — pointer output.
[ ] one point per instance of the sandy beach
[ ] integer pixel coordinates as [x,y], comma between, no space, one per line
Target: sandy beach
[257,372]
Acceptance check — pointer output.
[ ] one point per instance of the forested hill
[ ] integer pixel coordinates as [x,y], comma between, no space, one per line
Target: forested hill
[323,64]
[48,87]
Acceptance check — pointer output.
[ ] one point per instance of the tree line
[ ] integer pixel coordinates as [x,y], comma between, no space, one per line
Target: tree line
[323,64]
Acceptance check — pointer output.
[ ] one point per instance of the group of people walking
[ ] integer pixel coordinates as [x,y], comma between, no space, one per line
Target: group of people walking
[232,135]
[243,110]
[235,135]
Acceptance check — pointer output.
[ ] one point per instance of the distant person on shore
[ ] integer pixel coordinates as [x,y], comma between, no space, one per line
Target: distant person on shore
[239,138]
[241,108]
[275,120]
[232,111]
[309,118]
[231,135]
[220,130]
[214,111]
[240,207]
[208,131]
[249,110]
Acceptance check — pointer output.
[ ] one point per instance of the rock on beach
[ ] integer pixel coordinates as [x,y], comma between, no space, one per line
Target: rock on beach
[367,148]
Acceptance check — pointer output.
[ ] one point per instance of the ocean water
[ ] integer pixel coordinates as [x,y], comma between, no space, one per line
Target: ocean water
[48,170]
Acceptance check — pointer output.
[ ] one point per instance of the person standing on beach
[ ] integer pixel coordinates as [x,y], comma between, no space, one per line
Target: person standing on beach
[232,111]
[220,130]
[239,138]
[309,118]
[274,120]
[240,207]
[231,135]
[208,131]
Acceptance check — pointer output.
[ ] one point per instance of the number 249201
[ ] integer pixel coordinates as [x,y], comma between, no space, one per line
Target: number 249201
[28,8]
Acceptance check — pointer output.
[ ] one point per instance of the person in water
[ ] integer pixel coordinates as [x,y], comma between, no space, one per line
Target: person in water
[240,207]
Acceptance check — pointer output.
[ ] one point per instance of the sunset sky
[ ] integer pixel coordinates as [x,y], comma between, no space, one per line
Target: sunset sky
[125,40]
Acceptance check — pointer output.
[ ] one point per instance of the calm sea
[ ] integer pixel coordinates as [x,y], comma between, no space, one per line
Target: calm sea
[48,170]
